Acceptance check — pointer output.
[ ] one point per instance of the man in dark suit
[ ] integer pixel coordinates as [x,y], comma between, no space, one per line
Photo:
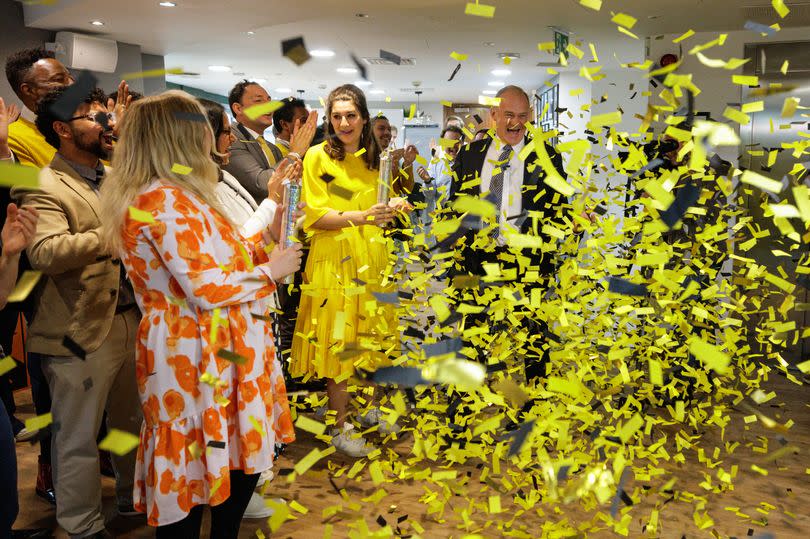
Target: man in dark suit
[253,159]
[491,168]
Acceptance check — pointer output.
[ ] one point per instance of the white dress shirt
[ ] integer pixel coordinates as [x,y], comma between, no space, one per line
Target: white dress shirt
[511,196]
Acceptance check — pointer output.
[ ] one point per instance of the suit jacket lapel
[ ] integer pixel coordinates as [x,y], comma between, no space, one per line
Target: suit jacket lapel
[252,145]
[78,184]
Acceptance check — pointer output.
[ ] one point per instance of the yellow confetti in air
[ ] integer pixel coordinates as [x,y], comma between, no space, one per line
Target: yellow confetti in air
[686,35]
[557,183]
[460,57]
[745,80]
[494,504]
[141,216]
[479,10]
[152,73]
[601,120]
[756,106]
[789,107]
[595,5]
[359,152]
[446,103]
[28,280]
[310,425]
[625,20]
[784,67]
[758,180]
[7,364]
[489,101]
[177,168]
[737,116]
[39,422]
[780,7]
[474,206]
[546,46]
[254,111]
[709,354]
[412,111]
[13,175]
[119,442]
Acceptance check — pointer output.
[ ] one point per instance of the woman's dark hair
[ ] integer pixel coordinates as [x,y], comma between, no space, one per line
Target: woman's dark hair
[214,111]
[334,147]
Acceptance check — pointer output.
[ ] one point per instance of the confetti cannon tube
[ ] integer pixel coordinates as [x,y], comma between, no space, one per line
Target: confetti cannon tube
[384,183]
[292,196]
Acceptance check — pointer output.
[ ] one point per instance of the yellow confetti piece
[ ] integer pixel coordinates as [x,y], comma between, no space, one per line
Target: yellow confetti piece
[545,46]
[803,367]
[310,425]
[140,215]
[784,67]
[489,101]
[780,7]
[479,10]
[446,103]
[656,373]
[745,80]
[308,461]
[460,57]
[631,427]
[412,111]
[360,152]
[495,504]
[376,473]
[262,109]
[686,35]
[626,32]
[624,20]
[256,425]
[24,286]
[557,183]
[281,512]
[601,120]
[13,175]
[215,323]
[7,364]
[295,506]
[177,168]
[119,442]
[474,206]
[759,470]
[152,73]
[39,422]
[736,116]
[755,106]
[709,354]
[758,180]
[339,325]
[789,107]
[595,5]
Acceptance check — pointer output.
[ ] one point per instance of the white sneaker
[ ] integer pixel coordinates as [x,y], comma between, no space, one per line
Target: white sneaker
[258,508]
[374,417]
[349,443]
[266,477]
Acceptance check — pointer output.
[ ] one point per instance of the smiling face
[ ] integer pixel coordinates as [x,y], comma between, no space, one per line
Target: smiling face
[44,76]
[254,95]
[347,123]
[85,132]
[510,116]
[224,139]
[382,132]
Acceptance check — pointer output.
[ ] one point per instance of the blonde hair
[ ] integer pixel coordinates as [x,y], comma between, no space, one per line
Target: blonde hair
[154,136]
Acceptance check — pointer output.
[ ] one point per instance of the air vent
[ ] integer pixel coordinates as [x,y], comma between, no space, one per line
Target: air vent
[799,14]
[413,89]
[376,61]
[548,64]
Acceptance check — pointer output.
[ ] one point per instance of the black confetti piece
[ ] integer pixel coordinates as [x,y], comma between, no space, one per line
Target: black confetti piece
[261,317]
[295,50]
[233,357]
[327,177]
[453,74]
[391,57]
[399,376]
[87,384]
[360,67]
[478,119]
[519,437]
[381,521]
[443,347]
[190,117]
[341,192]
[73,96]
[74,347]
[622,286]
[391,298]
[686,198]
[216,444]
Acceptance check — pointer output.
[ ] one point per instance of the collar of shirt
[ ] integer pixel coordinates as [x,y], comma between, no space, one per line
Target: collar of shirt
[92,175]
[253,133]
[28,114]
[282,142]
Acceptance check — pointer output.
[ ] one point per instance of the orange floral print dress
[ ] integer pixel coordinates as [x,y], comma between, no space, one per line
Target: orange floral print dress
[201,289]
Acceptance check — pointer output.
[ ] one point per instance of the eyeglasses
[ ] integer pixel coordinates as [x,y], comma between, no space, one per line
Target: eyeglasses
[101,118]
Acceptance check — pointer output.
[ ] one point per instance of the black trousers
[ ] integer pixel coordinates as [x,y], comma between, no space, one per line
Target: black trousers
[225,517]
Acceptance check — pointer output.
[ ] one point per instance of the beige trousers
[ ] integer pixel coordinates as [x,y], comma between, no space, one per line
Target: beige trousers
[80,391]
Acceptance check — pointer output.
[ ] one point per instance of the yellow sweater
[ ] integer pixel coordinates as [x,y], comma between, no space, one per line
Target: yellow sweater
[28,144]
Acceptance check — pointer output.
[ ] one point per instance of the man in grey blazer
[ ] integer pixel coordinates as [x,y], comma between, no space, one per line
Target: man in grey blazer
[253,159]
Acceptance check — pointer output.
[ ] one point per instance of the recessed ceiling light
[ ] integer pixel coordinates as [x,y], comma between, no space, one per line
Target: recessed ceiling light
[167,4]
[489,92]
[322,53]
[347,70]
[376,92]
[283,90]
[362,83]
[495,83]
[250,32]
[97,23]
[489,43]
[219,69]
[501,72]
[361,15]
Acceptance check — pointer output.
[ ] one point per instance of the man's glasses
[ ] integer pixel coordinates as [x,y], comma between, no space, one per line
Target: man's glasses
[101,118]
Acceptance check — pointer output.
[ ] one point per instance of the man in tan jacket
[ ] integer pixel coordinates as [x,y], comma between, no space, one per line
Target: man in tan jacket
[85,319]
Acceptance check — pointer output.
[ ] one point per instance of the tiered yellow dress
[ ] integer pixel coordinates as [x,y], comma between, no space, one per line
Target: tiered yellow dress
[341,326]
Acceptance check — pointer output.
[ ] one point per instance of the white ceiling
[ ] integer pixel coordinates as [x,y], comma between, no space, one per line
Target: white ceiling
[199,33]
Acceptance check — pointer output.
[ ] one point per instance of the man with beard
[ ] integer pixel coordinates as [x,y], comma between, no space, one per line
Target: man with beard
[85,317]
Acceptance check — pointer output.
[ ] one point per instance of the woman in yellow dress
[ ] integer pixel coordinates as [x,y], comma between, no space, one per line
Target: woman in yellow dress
[340,326]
